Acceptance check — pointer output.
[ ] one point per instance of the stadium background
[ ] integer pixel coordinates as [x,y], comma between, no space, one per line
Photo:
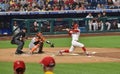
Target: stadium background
[24,19]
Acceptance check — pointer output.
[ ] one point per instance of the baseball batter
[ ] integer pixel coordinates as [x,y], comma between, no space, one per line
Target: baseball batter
[74,33]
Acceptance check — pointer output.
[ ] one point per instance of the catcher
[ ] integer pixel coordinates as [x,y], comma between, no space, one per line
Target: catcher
[37,42]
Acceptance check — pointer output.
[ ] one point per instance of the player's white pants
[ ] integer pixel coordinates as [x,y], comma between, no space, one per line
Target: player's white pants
[31,45]
[75,44]
[94,26]
[108,25]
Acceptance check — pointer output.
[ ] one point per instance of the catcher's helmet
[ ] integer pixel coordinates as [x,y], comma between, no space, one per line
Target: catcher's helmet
[38,34]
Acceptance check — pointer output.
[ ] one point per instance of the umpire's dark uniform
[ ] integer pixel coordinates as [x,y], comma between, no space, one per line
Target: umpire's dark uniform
[18,39]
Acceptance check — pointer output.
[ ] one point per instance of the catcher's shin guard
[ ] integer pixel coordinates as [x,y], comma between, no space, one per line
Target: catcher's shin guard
[34,48]
[41,47]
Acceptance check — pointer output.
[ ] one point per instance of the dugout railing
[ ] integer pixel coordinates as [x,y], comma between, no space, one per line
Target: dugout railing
[55,25]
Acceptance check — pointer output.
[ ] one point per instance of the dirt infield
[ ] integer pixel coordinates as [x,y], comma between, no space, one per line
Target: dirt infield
[101,55]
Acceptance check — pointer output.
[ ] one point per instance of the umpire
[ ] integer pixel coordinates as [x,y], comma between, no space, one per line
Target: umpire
[18,39]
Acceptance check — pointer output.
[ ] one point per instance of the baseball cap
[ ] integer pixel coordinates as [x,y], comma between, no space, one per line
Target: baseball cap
[48,61]
[19,64]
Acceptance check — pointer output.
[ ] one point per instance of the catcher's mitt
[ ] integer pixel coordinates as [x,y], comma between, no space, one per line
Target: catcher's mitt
[52,45]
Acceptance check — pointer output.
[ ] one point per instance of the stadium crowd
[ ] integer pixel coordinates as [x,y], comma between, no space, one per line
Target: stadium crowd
[55,5]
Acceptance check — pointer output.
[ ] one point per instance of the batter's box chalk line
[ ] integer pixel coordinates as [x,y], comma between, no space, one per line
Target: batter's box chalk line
[74,54]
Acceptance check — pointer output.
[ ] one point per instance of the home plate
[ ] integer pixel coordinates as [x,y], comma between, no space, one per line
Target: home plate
[93,52]
[74,54]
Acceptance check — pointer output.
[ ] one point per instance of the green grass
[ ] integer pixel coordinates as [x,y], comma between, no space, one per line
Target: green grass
[96,41]
[79,68]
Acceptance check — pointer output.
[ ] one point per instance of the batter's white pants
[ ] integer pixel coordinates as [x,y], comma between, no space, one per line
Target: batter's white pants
[75,44]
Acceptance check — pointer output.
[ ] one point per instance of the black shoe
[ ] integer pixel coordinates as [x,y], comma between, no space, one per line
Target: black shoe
[17,53]
[21,52]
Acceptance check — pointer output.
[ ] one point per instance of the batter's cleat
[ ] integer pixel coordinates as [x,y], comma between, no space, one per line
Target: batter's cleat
[87,54]
[59,53]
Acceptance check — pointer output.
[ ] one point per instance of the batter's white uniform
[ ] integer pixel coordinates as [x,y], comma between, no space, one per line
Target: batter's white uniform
[74,42]
[31,45]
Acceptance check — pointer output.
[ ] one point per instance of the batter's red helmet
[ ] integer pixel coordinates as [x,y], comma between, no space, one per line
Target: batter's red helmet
[75,25]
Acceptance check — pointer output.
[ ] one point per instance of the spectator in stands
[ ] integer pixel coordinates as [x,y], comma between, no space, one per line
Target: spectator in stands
[82,7]
[35,8]
[89,15]
[82,1]
[101,2]
[22,2]
[34,3]
[16,8]
[46,26]
[62,8]
[48,5]
[30,1]
[43,8]
[76,7]
[114,25]
[110,4]
[98,15]
[55,8]
[99,7]
[116,3]
[3,6]
[100,25]
[107,25]
[104,15]
[41,3]
[77,2]
[22,9]
[66,2]
[61,2]
[66,7]
[29,7]
[93,25]
[92,3]
[35,27]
